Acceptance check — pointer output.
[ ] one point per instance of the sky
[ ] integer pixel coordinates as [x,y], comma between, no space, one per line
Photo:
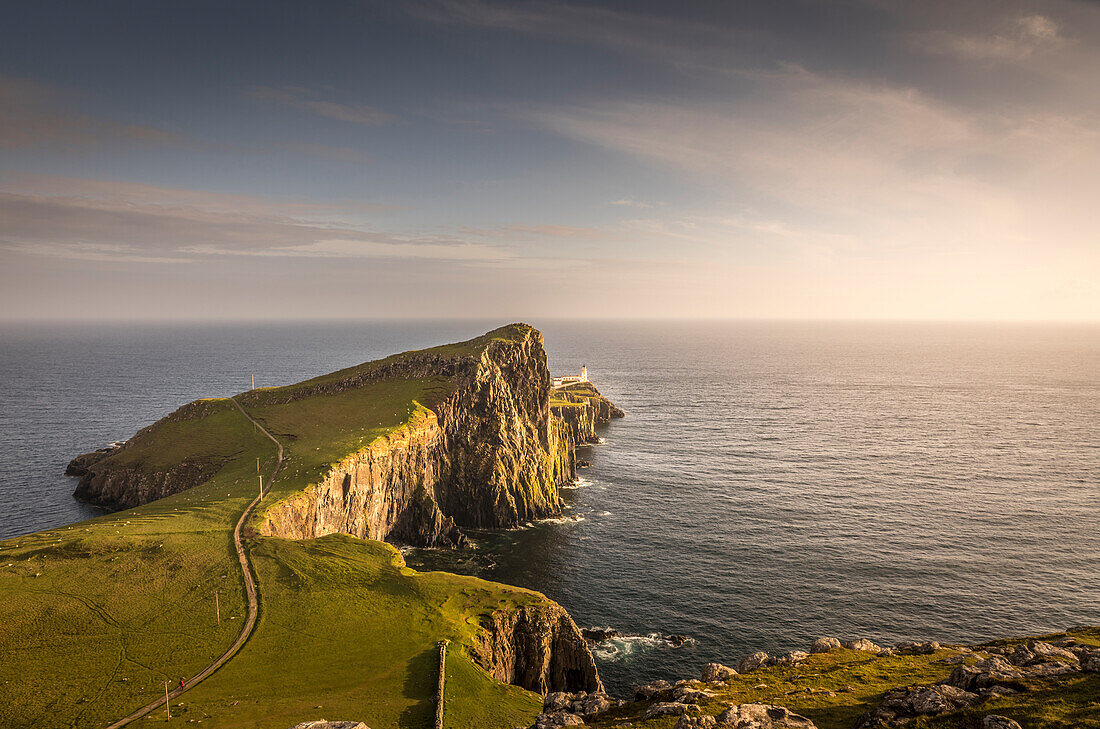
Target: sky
[517,160]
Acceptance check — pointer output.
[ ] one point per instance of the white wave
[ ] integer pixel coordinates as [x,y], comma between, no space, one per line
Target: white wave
[580,483]
[622,647]
[604,513]
[561,520]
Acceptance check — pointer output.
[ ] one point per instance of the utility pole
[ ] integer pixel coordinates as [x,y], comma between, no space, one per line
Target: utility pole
[218,606]
[253,380]
[261,486]
[166,704]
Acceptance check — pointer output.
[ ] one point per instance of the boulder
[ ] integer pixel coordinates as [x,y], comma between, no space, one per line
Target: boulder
[669,709]
[753,662]
[901,705]
[1036,651]
[599,635]
[322,724]
[917,649]
[557,719]
[651,690]
[996,721]
[863,645]
[793,658]
[824,645]
[695,722]
[993,671]
[583,704]
[762,716]
[717,672]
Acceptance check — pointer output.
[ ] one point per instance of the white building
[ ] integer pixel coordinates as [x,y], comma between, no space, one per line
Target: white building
[570,379]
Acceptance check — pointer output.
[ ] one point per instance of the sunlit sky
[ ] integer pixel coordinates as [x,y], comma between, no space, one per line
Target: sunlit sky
[193,160]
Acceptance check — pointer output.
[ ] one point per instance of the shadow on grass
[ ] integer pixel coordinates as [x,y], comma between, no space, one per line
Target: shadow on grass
[420,684]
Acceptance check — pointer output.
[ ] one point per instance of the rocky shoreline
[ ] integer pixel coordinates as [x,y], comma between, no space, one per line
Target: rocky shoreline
[978,674]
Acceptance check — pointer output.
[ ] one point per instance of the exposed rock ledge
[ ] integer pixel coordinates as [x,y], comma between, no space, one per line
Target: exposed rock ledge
[538,647]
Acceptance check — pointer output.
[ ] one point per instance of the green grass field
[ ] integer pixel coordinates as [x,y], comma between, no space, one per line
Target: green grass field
[94,617]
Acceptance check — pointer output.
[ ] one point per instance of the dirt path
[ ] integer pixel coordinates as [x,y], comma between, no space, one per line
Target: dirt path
[249,586]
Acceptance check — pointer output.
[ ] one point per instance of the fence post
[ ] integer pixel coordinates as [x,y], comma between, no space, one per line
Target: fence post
[442,679]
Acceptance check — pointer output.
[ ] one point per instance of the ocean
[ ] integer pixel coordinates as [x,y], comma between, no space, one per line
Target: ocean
[772,482]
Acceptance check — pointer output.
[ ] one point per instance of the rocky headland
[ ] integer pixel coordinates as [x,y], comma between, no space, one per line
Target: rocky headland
[860,685]
[481,447]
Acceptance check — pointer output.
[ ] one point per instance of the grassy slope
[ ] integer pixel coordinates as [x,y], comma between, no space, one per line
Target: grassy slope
[1060,705]
[347,628]
[124,601]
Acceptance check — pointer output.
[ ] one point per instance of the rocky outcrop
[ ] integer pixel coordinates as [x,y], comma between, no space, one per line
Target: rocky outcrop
[583,408]
[565,709]
[902,705]
[486,453]
[114,478]
[538,647]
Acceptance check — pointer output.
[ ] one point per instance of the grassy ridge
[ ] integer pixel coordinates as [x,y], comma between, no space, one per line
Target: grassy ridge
[95,616]
[346,627]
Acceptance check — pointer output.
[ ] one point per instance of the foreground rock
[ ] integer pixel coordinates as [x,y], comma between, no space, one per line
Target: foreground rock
[749,716]
[322,724]
[717,672]
[573,709]
[538,647]
[901,705]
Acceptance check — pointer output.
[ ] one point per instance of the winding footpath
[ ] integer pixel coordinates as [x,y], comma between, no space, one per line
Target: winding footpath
[249,586]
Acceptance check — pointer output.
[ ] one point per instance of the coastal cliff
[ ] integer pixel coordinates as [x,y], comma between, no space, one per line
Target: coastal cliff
[583,407]
[488,454]
[538,647]
[141,470]
[486,445]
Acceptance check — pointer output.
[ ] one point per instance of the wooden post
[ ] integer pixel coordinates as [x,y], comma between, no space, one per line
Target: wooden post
[166,704]
[261,486]
[253,380]
[442,680]
[218,606]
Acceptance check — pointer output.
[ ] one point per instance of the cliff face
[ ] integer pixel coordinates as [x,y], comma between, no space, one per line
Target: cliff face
[538,647]
[489,455]
[383,491]
[115,478]
[583,407]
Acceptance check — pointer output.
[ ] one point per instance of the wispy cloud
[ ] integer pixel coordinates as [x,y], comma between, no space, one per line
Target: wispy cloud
[130,222]
[310,101]
[1018,39]
[33,116]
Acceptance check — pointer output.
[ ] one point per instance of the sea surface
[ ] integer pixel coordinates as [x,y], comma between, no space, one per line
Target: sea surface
[771,483]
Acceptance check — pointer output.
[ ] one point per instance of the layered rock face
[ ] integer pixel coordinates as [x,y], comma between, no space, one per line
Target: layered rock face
[383,491]
[538,647]
[583,408]
[490,455]
[108,480]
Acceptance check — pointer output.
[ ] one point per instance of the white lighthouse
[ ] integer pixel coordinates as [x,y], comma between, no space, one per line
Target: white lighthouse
[584,373]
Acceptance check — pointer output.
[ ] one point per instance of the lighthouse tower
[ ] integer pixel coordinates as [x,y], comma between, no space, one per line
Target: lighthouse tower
[584,373]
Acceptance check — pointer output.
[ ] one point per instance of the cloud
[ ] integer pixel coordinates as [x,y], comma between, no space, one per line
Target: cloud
[296,97]
[879,161]
[630,203]
[35,116]
[130,222]
[1018,39]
